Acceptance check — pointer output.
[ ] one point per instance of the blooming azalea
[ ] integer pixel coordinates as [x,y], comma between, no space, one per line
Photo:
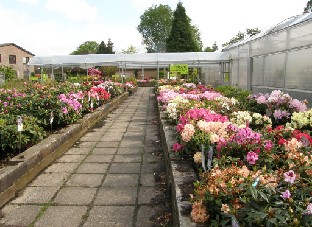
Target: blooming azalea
[290,176]
[286,195]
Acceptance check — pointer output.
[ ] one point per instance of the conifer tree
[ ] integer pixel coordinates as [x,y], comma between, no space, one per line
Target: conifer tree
[181,38]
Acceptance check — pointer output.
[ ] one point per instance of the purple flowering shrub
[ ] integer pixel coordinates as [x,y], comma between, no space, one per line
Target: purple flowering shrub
[279,106]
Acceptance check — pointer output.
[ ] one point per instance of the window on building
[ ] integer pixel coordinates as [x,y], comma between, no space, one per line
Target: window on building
[27,60]
[12,59]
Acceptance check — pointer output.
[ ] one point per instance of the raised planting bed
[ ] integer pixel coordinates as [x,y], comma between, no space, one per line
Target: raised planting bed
[180,174]
[23,168]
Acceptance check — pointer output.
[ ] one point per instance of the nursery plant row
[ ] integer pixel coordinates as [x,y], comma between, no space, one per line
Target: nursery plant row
[252,154]
[34,110]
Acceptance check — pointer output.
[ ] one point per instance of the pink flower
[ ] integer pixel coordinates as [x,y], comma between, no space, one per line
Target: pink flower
[64,110]
[309,209]
[187,132]
[252,157]
[179,128]
[290,176]
[268,145]
[286,194]
[5,104]
[176,147]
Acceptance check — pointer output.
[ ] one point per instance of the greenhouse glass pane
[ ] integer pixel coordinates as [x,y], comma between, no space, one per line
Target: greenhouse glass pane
[301,36]
[242,83]
[275,42]
[234,76]
[299,69]
[258,73]
[243,51]
[274,70]
[257,47]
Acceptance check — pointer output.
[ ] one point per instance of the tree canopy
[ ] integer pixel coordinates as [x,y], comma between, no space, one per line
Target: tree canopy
[308,7]
[155,27]
[131,50]
[88,47]
[106,49]
[182,37]
[242,35]
[211,49]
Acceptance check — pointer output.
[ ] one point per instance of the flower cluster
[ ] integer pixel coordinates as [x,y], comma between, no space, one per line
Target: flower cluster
[280,105]
[260,171]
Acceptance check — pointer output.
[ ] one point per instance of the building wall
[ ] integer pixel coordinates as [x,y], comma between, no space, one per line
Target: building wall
[20,68]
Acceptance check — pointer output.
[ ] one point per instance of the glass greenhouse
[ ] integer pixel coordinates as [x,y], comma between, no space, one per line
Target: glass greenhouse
[277,58]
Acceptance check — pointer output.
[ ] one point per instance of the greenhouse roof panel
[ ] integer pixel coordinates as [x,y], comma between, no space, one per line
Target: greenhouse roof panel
[131,60]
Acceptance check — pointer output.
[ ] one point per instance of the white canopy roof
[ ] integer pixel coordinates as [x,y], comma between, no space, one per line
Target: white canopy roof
[146,60]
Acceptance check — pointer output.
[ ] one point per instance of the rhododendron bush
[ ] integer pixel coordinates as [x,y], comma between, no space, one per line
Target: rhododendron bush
[259,169]
[45,107]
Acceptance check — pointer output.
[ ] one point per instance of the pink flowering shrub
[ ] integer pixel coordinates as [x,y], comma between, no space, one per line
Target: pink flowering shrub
[261,173]
[280,106]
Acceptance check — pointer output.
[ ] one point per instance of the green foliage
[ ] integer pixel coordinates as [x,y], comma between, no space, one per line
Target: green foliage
[131,50]
[308,7]
[211,49]
[233,92]
[88,47]
[182,37]
[10,138]
[106,49]
[155,27]
[108,71]
[241,36]
[8,72]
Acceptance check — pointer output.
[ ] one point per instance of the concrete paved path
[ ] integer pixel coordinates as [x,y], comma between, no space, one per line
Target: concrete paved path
[106,179]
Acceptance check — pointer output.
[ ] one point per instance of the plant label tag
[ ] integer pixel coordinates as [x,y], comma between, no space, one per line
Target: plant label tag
[209,159]
[203,158]
[20,124]
[51,118]
[91,105]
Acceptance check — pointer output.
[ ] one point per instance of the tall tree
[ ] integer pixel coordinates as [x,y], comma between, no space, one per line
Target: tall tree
[131,50]
[88,47]
[102,48]
[110,47]
[181,38]
[106,49]
[197,36]
[308,8]
[155,26]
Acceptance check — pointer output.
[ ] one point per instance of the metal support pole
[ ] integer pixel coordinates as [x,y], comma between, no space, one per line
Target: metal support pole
[52,74]
[157,74]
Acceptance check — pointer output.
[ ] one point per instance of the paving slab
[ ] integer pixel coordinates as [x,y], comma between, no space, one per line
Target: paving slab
[75,196]
[120,216]
[59,167]
[104,150]
[125,168]
[35,195]
[116,196]
[122,180]
[19,215]
[62,216]
[50,179]
[85,180]
[93,168]
[128,158]
[99,158]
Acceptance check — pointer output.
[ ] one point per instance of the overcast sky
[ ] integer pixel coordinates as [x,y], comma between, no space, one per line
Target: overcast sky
[58,27]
